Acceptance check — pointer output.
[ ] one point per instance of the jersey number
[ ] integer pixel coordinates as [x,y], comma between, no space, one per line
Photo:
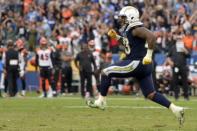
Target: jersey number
[44,56]
[126,45]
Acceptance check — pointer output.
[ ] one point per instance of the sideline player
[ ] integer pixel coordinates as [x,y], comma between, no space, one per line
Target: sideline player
[22,63]
[139,43]
[44,61]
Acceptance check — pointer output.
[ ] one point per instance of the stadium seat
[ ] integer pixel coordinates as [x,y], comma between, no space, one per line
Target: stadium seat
[160,58]
[115,57]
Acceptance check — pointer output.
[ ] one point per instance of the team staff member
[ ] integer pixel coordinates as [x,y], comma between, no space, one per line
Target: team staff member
[178,55]
[85,59]
[12,68]
[96,55]
[44,62]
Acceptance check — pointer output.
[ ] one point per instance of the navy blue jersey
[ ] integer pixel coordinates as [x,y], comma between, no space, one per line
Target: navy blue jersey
[131,66]
[135,48]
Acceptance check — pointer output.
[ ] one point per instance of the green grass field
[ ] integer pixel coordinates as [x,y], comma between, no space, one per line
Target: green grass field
[124,113]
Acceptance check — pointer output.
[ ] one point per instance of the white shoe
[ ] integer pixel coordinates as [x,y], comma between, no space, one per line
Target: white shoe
[23,92]
[41,96]
[50,95]
[97,104]
[18,95]
[63,94]
[179,113]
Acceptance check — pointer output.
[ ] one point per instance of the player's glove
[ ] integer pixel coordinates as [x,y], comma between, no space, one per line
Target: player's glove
[148,58]
[112,33]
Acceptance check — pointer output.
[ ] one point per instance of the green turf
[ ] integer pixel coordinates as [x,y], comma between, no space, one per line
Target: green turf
[72,114]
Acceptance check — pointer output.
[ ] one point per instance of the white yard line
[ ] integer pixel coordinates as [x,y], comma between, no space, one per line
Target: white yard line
[123,107]
[109,98]
[121,99]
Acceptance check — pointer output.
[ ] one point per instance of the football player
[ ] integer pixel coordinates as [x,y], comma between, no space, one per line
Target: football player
[139,44]
[22,63]
[44,62]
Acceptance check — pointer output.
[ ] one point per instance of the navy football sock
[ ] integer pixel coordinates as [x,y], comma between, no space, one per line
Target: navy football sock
[160,99]
[105,83]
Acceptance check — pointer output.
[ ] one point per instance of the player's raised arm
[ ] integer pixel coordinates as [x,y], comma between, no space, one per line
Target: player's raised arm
[112,33]
[150,38]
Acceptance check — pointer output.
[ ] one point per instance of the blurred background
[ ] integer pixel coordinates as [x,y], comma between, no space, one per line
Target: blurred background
[69,24]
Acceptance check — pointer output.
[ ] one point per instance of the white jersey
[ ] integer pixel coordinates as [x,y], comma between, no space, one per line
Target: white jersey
[66,40]
[44,57]
[22,62]
[96,55]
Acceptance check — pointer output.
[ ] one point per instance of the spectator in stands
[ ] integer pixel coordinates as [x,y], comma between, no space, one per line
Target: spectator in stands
[195,42]
[188,40]
[32,36]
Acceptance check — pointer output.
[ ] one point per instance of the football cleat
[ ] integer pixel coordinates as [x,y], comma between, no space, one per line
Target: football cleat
[96,104]
[179,113]
[43,95]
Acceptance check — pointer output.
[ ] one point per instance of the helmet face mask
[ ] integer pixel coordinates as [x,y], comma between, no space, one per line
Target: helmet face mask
[122,20]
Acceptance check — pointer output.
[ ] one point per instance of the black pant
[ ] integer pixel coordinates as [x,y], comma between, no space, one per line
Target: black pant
[180,76]
[55,78]
[12,76]
[6,84]
[45,73]
[66,78]
[86,76]
[23,82]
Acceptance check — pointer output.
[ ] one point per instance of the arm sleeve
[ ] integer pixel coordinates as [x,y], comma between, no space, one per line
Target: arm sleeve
[21,62]
[77,57]
[93,61]
[52,59]
[36,60]
[4,59]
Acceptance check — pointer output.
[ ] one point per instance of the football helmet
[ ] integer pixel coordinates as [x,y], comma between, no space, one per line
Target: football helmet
[129,16]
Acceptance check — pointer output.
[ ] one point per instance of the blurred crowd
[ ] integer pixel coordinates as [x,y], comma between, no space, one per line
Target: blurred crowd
[72,23]
[81,20]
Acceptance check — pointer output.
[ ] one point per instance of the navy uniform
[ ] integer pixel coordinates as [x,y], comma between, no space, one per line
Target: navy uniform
[138,62]
[132,65]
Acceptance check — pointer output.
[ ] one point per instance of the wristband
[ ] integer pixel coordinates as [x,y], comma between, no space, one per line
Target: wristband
[118,37]
[149,53]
